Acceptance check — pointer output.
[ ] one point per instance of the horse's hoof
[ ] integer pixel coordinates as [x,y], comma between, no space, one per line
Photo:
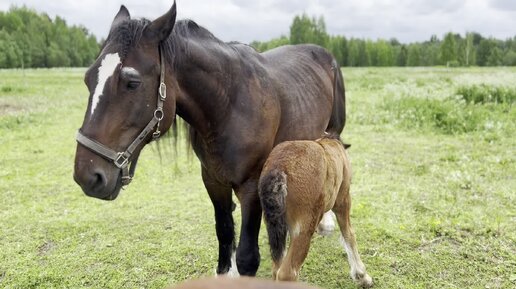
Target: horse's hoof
[233,270]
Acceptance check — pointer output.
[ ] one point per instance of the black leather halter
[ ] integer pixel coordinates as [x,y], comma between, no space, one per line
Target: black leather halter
[122,159]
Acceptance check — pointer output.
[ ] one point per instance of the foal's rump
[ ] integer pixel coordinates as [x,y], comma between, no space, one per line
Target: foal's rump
[292,169]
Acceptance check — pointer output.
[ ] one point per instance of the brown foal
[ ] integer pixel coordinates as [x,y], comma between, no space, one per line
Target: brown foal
[300,181]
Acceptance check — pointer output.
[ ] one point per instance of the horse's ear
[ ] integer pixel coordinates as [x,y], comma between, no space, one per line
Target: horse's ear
[121,16]
[161,28]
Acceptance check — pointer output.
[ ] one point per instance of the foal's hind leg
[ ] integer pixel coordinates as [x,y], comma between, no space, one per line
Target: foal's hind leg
[342,210]
[222,203]
[301,233]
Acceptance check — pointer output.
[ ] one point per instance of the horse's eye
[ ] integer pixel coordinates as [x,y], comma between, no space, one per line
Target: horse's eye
[132,85]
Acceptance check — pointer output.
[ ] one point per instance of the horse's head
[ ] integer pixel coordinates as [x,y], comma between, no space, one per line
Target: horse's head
[128,103]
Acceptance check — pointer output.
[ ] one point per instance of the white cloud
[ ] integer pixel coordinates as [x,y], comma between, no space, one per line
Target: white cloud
[247,20]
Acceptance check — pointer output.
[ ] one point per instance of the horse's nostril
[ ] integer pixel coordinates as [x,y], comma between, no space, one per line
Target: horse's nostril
[99,181]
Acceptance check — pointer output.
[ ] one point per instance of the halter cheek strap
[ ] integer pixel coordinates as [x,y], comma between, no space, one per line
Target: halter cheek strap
[122,159]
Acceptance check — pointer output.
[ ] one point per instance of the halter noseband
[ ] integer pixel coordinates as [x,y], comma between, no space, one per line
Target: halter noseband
[121,159]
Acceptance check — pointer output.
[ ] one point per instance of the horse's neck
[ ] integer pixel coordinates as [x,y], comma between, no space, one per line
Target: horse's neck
[205,77]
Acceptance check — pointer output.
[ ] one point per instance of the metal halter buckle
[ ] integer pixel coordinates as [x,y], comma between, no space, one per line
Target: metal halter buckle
[121,161]
[162,91]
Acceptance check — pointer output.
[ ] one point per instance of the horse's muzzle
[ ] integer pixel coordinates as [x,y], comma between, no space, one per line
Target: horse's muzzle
[98,183]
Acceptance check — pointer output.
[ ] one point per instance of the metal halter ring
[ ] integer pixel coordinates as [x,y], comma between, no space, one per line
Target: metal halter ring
[158,113]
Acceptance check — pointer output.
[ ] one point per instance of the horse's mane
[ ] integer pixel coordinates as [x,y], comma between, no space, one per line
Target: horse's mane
[128,33]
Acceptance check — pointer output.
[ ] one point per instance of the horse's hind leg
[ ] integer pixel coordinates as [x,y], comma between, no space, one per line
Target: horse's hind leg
[342,210]
[222,203]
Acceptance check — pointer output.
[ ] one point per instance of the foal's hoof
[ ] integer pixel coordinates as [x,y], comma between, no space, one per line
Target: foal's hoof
[365,281]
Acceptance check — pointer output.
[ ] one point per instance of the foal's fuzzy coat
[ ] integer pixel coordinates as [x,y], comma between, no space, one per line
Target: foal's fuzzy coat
[300,181]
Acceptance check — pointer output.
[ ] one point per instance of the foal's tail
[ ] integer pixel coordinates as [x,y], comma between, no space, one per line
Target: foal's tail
[273,191]
[338,114]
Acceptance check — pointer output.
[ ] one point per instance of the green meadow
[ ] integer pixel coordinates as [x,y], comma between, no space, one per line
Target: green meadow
[434,190]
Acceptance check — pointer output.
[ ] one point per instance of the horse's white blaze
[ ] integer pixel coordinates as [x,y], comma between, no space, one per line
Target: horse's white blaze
[106,69]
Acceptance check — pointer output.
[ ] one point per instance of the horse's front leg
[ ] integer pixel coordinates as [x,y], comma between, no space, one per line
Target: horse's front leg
[220,196]
[248,253]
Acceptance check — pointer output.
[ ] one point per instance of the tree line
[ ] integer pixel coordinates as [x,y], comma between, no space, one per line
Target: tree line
[472,49]
[31,39]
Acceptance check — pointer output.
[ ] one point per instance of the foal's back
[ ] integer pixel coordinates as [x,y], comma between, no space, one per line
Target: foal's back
[315,171]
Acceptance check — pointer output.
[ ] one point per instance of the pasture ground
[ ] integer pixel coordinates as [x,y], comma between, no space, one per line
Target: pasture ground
[434,191]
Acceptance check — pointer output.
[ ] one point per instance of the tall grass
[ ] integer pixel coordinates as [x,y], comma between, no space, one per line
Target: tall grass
[484,93]
[449,116]
[473,108]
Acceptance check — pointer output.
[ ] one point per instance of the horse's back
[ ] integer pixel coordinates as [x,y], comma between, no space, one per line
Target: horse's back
[287,55]
[305,80]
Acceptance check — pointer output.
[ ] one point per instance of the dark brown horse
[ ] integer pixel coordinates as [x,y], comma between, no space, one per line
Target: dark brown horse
[237,102]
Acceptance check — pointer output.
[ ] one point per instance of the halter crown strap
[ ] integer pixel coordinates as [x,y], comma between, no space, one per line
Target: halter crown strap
[122,159]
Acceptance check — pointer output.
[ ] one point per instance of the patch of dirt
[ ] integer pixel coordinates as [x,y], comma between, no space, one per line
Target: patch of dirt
[45,248]
[9,109]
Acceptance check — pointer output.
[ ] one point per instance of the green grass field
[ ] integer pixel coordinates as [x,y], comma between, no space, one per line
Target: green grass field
[434,190]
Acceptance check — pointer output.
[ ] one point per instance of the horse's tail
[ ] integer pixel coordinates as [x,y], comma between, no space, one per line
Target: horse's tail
[273,191]
[338,114]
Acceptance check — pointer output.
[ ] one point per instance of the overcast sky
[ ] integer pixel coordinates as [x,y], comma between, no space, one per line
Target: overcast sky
[248,20]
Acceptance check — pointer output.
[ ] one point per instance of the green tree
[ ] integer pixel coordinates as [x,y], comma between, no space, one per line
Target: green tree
[449,49]
[414,55]
[469,50]
[401,59]
[385,55]
[510,58]
[338,46]
[308,30]
[30,39]
[495,57]
[484,51]
[363,54]
[372,53]
[354,52]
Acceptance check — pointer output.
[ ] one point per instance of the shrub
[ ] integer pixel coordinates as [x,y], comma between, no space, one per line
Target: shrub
[449,116]
[487,94]
[7,88]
